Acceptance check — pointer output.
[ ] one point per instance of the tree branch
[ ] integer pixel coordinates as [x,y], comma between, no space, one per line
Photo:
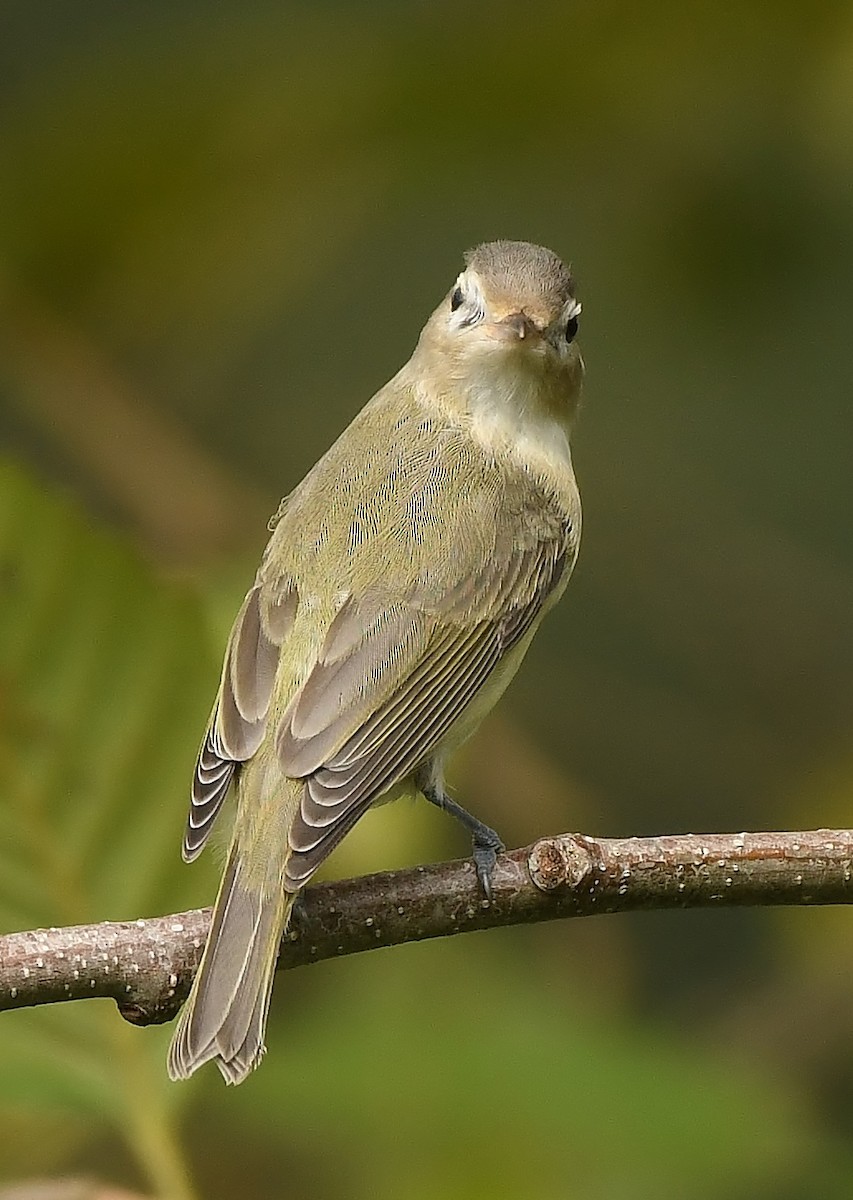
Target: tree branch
[147,966]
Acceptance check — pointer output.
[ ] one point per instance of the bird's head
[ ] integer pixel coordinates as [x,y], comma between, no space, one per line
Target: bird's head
[512,311]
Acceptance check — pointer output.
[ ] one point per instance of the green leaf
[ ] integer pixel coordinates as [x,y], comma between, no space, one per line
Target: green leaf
[106,674]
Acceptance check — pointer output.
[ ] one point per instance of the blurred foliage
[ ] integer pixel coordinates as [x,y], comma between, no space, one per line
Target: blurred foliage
[100,663]
[221,228]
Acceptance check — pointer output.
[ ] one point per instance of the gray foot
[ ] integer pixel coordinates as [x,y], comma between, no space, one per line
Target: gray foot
[485,842]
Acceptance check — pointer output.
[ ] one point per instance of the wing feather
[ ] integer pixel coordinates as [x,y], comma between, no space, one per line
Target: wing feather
[238,721]
[391,705]
[336,682]
[310,848]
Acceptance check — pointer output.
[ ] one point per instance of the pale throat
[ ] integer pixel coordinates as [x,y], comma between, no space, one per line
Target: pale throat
[514,408]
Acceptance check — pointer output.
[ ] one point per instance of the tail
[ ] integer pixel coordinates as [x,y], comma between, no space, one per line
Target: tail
[226,1014]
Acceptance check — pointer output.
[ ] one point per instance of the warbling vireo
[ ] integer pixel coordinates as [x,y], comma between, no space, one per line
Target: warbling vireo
[401,587]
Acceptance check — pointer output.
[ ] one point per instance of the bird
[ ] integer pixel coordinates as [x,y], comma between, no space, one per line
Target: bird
[400,589]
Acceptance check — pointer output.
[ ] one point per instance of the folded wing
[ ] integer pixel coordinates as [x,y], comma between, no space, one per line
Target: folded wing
[238,721]
[391,680]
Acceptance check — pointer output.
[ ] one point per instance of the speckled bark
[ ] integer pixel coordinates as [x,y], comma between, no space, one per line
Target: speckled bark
[147,965]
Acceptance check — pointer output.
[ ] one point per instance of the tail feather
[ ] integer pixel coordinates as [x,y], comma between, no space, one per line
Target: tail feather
[225,1016]
[252,1049]
[246,1015]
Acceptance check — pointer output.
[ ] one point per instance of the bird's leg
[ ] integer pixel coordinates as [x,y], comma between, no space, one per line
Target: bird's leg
[486,844]
[297,919]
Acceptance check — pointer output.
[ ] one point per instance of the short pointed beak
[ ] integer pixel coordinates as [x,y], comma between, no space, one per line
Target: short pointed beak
[519,324]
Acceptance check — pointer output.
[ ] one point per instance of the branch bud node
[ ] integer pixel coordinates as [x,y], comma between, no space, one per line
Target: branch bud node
[562,862]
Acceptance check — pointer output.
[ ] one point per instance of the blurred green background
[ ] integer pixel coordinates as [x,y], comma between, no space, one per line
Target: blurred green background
[221,229]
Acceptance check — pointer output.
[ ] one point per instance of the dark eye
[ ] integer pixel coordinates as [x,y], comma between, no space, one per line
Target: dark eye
[571,329]
[456,299]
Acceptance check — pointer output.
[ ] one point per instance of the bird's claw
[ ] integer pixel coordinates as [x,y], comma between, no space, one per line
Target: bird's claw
[485,854]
